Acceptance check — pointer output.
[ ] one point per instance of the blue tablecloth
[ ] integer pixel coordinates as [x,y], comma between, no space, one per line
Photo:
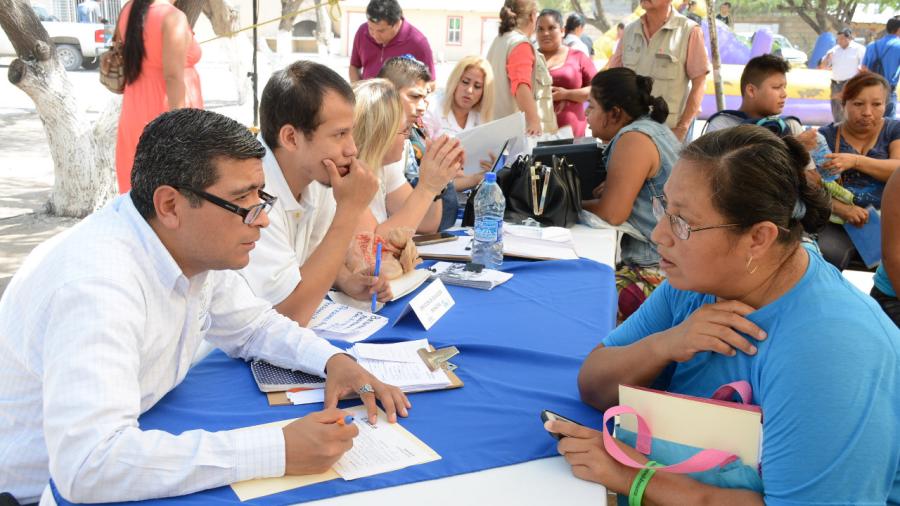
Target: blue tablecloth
[520,344]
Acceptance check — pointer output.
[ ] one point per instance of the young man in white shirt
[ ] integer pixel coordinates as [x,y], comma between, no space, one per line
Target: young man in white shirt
[844,60]
[103,320]
[306,116]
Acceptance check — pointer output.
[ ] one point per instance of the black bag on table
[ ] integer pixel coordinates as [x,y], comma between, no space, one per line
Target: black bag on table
[551,195]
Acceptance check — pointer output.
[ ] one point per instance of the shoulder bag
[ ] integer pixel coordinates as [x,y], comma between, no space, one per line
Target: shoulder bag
[112,66]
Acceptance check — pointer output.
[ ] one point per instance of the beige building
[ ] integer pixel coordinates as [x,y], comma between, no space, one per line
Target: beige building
[454,31]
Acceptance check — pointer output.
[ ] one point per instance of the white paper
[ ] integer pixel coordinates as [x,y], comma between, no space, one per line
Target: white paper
[486,139]
[407,283]
[362,305]
[460,249]
[554,244]
[555,234]
[406,376]
[338,321]
[526,247]
[429,305]
[306,396]
[404,351]
[381,448]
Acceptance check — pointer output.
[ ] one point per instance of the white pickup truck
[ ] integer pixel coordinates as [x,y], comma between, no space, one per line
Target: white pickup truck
[77,44]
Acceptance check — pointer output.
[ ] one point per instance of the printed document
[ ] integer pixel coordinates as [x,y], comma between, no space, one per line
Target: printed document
[338,321]
[380,449]
[397,364]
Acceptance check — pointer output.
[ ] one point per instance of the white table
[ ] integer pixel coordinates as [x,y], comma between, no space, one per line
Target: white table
[544,482]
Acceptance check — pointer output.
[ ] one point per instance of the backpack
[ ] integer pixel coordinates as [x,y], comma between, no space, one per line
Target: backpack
[777,124]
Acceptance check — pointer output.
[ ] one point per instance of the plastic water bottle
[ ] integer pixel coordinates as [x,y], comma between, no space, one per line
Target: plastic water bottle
[487,247]
[818,156]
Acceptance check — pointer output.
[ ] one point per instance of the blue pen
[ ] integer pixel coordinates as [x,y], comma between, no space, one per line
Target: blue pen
[347,420]
[377,270]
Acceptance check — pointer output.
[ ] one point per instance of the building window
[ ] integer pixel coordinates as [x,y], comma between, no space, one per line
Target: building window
[454,30]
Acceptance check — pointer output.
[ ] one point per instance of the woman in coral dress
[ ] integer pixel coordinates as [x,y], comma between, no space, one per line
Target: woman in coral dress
[160,54]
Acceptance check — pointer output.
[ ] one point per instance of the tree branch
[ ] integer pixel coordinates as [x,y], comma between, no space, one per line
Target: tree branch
[24,29]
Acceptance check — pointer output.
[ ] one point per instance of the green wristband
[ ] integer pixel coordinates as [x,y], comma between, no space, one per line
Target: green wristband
[636,494]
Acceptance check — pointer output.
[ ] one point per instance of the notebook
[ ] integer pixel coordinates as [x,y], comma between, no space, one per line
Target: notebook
[696,421]
[271,378]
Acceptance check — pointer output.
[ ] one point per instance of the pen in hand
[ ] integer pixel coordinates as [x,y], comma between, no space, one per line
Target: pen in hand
[377,271]
[347,420]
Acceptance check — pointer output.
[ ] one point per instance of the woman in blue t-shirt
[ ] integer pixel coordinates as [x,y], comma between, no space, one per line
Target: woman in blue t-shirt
[865,152]
[746,301]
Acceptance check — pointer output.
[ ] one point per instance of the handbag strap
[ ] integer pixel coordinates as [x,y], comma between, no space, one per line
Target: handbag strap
[742,388]
[703,460]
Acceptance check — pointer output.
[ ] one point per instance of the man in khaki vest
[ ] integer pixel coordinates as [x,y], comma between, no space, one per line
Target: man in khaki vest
[668,47]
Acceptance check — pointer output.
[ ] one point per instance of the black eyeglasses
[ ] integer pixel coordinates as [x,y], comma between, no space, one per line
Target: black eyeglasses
[250,214]
[680,228]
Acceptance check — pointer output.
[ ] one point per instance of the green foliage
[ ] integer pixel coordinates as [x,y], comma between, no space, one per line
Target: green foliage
[833,7]
[560,5]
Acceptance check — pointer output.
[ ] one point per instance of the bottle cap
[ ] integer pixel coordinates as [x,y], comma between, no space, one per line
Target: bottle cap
[490,177]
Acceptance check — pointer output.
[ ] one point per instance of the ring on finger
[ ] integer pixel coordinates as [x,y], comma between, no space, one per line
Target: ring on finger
[365,389]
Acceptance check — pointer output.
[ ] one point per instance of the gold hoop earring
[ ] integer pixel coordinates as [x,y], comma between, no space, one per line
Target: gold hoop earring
[754,269]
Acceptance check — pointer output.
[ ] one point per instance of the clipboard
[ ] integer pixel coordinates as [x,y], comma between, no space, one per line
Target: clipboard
[281,398]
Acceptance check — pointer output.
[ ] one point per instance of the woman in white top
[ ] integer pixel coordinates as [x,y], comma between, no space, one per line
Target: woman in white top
[466,102]
[380,132]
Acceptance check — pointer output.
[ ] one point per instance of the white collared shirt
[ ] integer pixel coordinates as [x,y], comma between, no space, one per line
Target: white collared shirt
[845,62]
[295,230]
[437,123]
[95,328]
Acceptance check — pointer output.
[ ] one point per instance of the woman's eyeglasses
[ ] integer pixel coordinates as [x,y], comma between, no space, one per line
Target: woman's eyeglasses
[250,214]
[680,228]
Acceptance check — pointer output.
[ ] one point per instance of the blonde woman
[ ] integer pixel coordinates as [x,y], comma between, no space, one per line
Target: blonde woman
[380,131]
[523,82]
[466,102]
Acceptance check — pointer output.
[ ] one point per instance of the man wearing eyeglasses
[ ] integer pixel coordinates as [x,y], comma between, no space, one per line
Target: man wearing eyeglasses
[306,119]
[102,321]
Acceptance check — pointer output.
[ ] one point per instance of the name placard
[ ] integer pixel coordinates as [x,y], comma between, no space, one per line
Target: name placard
[429,305]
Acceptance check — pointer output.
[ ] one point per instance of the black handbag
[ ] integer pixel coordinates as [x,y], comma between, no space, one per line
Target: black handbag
[551,195]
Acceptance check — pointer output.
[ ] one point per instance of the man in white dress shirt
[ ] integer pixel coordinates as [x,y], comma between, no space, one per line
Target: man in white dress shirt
[306,119]
[103,320]
[844,60]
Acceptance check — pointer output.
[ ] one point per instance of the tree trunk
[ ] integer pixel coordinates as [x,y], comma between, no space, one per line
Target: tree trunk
[82,155]
[323,28]
[600,21]
[714,52]
[284,38]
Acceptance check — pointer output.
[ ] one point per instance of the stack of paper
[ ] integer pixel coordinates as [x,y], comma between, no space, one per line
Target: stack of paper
[397,364]
[377,449]
[456,274]
[544,243]
[338,321]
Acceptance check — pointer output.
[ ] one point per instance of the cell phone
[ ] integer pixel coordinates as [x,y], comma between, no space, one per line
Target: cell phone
[424,239]
[547,415]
